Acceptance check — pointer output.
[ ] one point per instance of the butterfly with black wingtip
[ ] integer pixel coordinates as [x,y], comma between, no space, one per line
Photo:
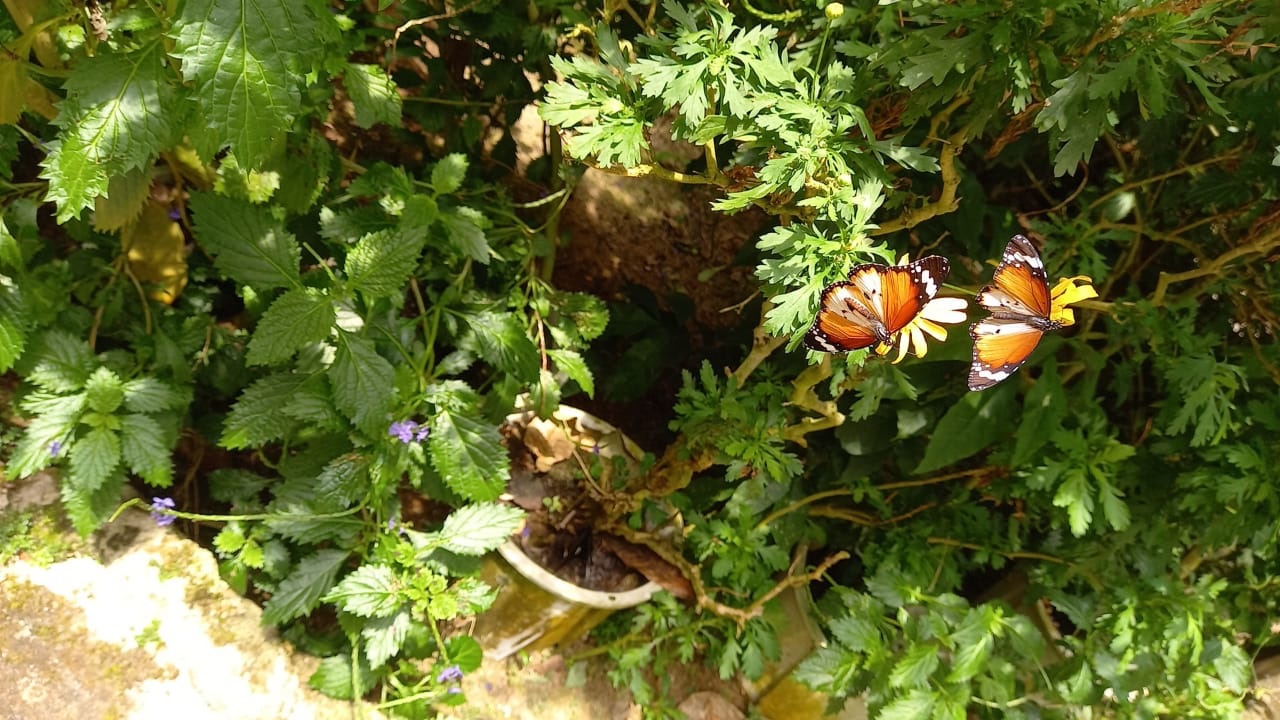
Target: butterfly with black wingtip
[1021,313]
[874,304]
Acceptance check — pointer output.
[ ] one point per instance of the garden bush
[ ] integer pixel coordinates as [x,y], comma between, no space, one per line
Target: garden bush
[279,265]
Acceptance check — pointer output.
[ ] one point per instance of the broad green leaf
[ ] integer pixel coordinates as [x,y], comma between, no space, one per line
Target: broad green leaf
[857,632]
[88,509]
[1042,414]
[148,395]
[95,456]
[142,443]
[575,368]
[62,362]
[974,422]
[448,174]
[333,677]
[478,529]
[369,591]
[373,95]
[115,118]
[384,636]
[229,540]
[915,667]
[245,60]
[13,324]
[502,341]
[247,243]
[259,416]
[465,652]
[465,228]
[10,253]
[103,391]
[55,422]
[302,590]
[469,455]
[362,382]
[297,318]
[915,705]
[381,264]
[1234,667]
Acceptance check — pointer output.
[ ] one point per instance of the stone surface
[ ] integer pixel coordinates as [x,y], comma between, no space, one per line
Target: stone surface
[141,627]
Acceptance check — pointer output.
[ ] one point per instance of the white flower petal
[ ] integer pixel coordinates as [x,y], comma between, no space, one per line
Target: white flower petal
[945,310]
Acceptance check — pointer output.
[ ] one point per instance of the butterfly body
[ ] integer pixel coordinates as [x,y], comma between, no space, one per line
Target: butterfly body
[874,304]
[1021,310]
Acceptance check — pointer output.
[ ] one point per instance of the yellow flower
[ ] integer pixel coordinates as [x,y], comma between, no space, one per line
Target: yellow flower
[946,310]
[1067,292]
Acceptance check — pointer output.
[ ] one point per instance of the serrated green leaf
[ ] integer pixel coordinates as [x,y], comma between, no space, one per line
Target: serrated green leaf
[1234,667]
[228,541]
[1115,510]
[373,95]
[469,455]
[301,591]
[369,591]
[62,362]
[502,341]
[915,667]
[362,382]
[857,633]
[142,444]
[10,253]
[915,705]
[245,61]
[149,395]
[333,677]
[381,264]
[1076,495]
[383,637]
[95,456]
[104,392]
[297,318]
[478,529]
[970,425]
[465,228]
[448,174]
[575,368]
[13,323]
[259,416]
[87,510]
[247,243]
[55,422]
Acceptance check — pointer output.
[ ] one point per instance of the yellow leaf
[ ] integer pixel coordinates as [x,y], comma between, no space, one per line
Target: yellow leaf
[156,251]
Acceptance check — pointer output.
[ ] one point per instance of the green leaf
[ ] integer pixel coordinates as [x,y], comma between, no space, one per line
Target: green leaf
[115,118]
[142,444]
[448,174]
[1234,667]
[149,395]
[915,667]
[469,455]
[103,391]
[13,322]
[297,318]
[1115,510]
[10,253]
[575,368]
[88,509]
[544,395]
[383,637]
[478,529]
[1042,414]
[259,416]
[333,677]
[56,421]
[857,632]
[302,589]
[503,342]
[95,456]
[363,383]
[465,652]
[465,228]
[972,424]
[62,362]
[915,705]
[1075,494]
[247,243]
[373,95]
[381,264]
[972,646]
[244,61]
[369,591]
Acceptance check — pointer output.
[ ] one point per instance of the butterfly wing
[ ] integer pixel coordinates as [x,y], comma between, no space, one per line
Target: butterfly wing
[1018,298]
[1000,346]
[1020,285]
[874,304]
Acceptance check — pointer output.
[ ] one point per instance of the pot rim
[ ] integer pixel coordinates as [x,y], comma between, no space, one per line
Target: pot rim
[545,579]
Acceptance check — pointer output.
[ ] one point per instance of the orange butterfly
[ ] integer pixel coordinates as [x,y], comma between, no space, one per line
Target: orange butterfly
[1021,313]
[874,304]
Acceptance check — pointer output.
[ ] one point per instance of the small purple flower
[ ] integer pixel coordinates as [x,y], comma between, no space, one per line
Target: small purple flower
[408,431]
[455,690]
[55,447]
[159,511]
[174,215]
[453,673]
[595,448]
[394,526]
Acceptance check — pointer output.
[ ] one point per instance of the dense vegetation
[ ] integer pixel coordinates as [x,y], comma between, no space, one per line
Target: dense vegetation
[276,255]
